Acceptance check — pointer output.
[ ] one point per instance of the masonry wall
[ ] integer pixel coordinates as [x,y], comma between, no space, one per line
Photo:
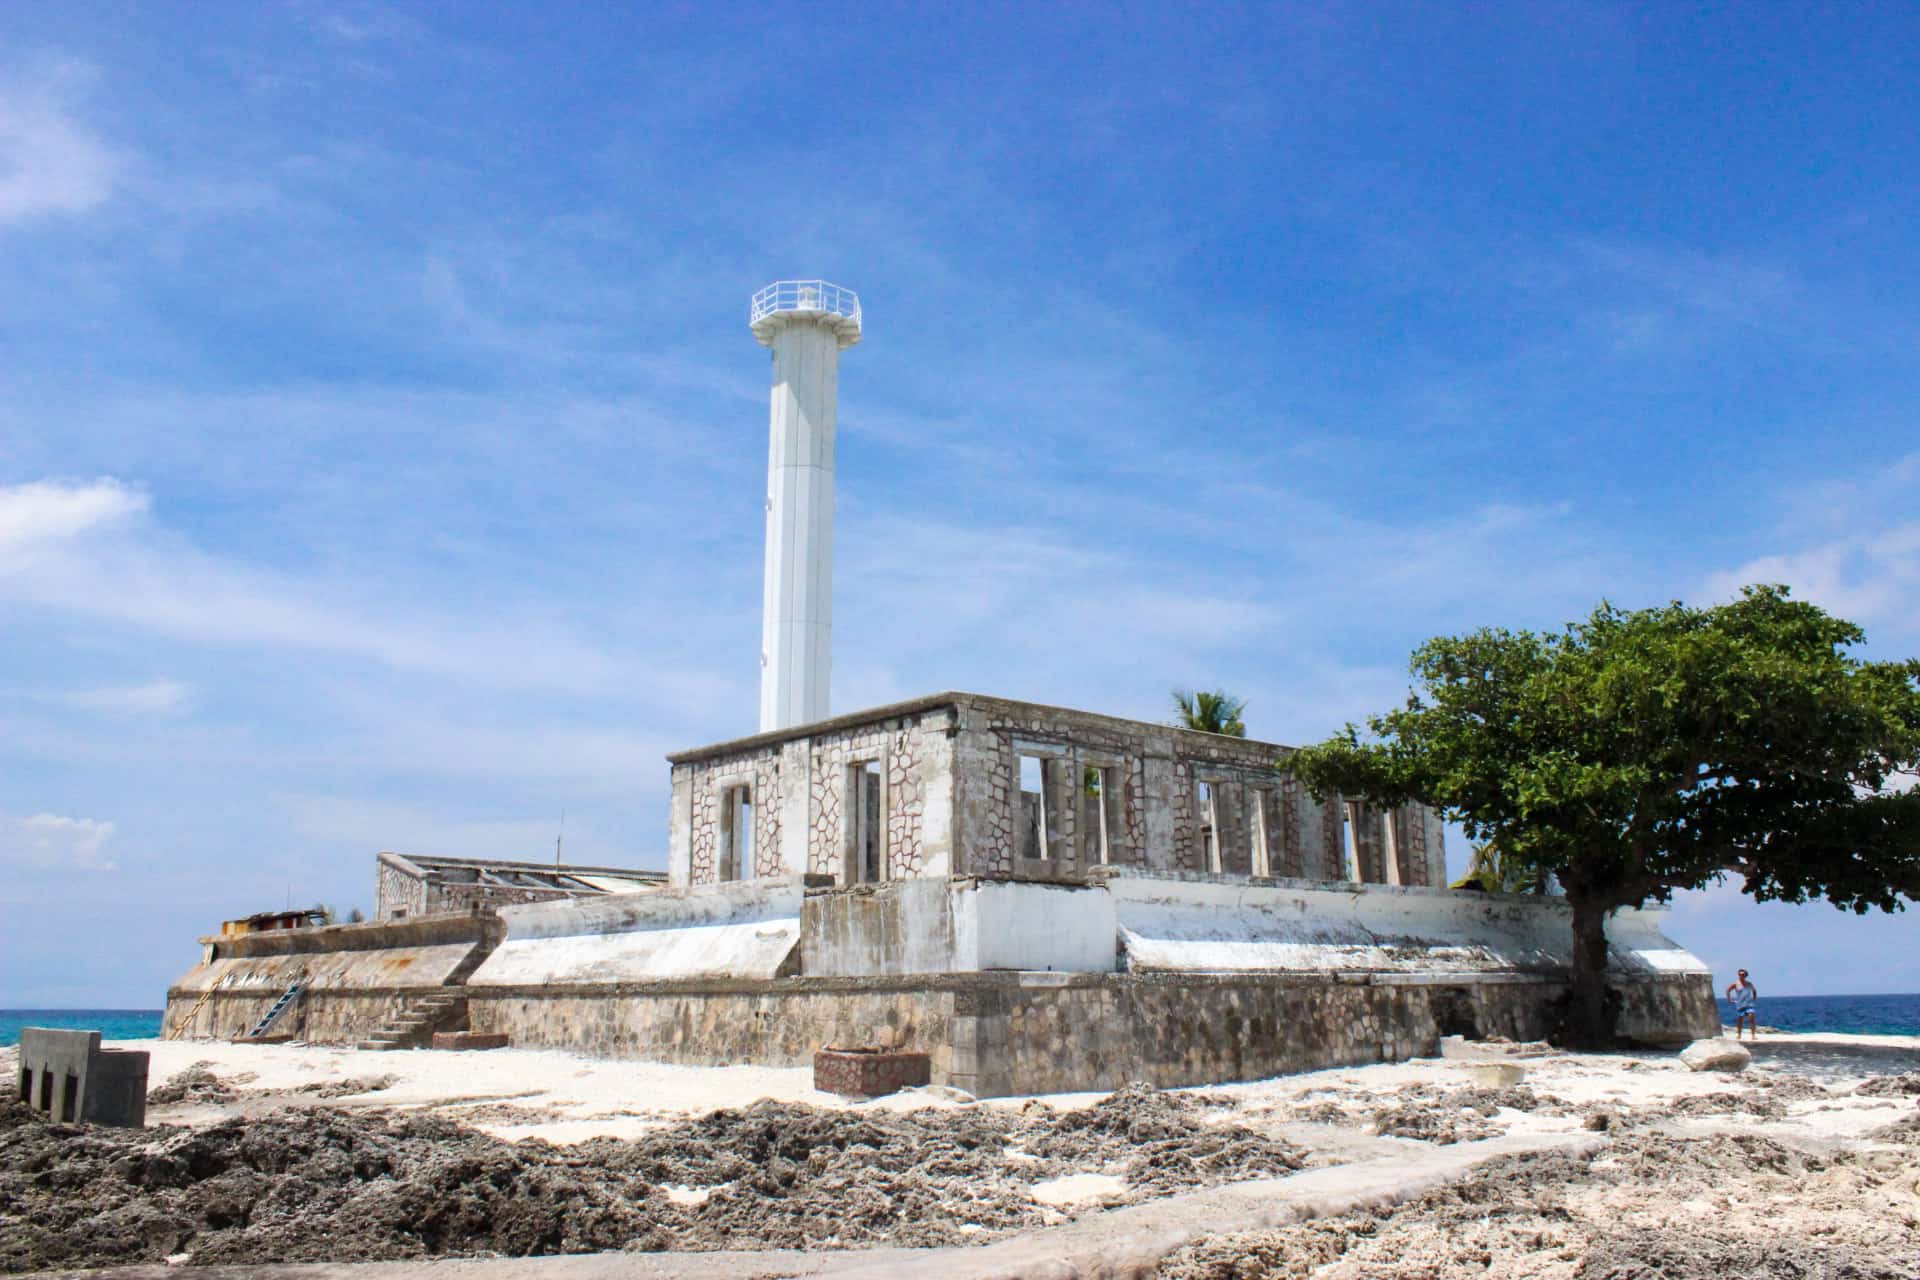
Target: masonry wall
[998,1034]
[951,801]
[358,977]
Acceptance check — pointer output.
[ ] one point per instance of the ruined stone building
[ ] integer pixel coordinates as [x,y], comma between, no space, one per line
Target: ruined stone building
[1037,898]
[962,784]
[416,885]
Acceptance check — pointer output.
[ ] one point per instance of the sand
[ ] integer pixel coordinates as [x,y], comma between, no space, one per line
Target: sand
[1594,1167]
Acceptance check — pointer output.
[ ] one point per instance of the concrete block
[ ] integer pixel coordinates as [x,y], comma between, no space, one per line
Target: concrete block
[869,1073]
[67,1076]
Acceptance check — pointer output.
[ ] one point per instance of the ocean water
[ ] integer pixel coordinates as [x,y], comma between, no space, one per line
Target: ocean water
[112,1024]
[1897,1015]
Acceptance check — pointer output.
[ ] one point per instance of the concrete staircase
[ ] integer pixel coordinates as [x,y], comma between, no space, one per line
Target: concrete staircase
[414,1025]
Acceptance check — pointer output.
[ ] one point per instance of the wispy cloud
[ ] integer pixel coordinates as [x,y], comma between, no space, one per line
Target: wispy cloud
[153,698]
[81,551]
[47,841]
[51,511]
[51,163]
[1850,546]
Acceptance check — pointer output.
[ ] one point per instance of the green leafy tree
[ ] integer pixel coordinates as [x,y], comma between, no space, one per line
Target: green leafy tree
[1639,752]
[1490,871]
[1210,712]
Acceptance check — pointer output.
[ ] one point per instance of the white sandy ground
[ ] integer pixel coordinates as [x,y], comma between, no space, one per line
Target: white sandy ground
[566,1098]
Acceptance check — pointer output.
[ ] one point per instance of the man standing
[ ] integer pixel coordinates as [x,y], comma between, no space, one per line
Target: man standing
[1744,999]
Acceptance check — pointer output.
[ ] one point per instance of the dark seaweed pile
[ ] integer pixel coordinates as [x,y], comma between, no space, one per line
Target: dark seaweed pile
[329,1185]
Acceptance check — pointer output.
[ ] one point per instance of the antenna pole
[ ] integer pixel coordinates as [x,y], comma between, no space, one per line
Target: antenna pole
[558,838]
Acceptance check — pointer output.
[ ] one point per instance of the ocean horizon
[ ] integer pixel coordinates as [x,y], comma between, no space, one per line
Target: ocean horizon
[1878,1015]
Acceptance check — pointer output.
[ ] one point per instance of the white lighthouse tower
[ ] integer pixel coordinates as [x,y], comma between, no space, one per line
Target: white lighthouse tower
[807,323]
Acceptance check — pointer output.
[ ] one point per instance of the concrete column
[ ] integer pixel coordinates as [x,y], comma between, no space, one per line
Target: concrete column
[680,828]
[1160,778]
[796,803]
[797,624]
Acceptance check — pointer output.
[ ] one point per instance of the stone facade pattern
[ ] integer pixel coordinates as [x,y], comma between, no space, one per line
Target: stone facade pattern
[396,893]
[996,1035]
[960,756]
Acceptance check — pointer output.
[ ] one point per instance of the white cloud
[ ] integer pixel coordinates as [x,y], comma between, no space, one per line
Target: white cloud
[50,163]
[49,841]
[1851,548]
[50,511]
[154,698]
[143,576]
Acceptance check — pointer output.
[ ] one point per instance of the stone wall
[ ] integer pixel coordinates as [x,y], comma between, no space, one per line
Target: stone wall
[801,810]
[999,1034]
[357,976]
[952,801]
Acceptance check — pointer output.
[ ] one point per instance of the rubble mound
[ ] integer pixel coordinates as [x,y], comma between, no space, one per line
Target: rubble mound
[333,1185]
[1455,1115]
[1757,1103]
[196,1084]
[345,1088]
[1555,1214]
[1905,1130]
[1168,1145]
[1905,1085]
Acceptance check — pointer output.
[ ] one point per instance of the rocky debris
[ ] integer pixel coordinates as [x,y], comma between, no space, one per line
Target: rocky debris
[1170,1147]
[332,1185]
[1429,1123]
[1751,1102]
[1319,1113]
[1716,1055]
[1454,1115]
[1905,1085]
[346,1088]
[1552,1214]
[196,1084]
[1787,1087]
[1905,1131]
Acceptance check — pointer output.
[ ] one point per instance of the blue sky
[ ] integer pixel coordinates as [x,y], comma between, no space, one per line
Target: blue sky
[382,443]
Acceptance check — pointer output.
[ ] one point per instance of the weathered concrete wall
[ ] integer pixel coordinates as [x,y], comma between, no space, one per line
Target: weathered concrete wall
[956,926]
[743,929]
[996,1034]
[357,976]
[1211,925]
[66,1076]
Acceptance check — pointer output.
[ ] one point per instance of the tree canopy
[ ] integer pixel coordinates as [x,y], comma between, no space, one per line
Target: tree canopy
[1216,711]
[1642,751]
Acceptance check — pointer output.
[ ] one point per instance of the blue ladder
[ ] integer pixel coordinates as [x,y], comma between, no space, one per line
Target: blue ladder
[280,1006]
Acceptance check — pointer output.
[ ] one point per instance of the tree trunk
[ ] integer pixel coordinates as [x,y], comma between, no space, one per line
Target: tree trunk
[1589,1020]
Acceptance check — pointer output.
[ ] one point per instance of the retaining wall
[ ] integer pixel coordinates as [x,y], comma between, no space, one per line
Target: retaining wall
[995,1034]
[358,976]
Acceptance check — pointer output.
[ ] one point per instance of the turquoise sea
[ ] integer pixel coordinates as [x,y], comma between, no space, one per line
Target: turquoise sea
[1894,1015]
[112,1024]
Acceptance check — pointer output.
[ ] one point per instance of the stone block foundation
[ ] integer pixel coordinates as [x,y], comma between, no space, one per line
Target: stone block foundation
[998,1034]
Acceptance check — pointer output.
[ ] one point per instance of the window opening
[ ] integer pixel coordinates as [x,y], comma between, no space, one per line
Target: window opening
[1037,828]
[1099,795]
[1208,794]
[1350,840]
[70,1098]
[866,833]
[736,832]
[1259,804]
